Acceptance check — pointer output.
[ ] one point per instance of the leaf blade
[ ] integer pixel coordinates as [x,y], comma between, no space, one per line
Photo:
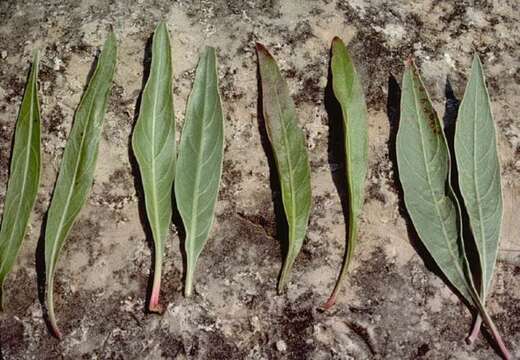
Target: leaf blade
[24,177]
[77,166]
[479,171]
[475,149]
[199,166]
[153,144]
[348,90]
[290,153]
[424,166]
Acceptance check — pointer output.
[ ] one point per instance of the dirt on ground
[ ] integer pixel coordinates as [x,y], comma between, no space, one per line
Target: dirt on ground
[394,305]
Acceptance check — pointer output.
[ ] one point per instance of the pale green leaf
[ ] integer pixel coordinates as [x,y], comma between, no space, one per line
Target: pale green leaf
[479,175]
[424,165]
[349,93]
[424,171]
[77,166]
[153,143]
[199,166]
[290,154]
[479,171]
[24,177]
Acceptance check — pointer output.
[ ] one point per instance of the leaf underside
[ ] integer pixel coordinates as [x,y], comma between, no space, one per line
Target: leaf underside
[199,166]
[290,154]
[424,165]
[153,143]
[479,176]
[24,177]
[349,93]
[77,166]
[479,171]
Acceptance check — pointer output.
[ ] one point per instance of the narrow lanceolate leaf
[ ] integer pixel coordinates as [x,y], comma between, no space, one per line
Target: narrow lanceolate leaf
[24,177]
[199,166]
[424,165]
[479,173]
[153,143]
[77,166]
[290,154]
[349,93]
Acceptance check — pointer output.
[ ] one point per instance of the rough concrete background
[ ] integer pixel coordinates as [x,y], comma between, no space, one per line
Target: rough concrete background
[394,305]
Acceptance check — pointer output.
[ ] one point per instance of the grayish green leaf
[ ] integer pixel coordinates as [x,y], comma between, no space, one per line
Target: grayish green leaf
[349,93]
[199,166]
[290,153]
[77,166]
[153,143]
[479,174]
[424,171]
[479,171]
[24,177]
[424,166]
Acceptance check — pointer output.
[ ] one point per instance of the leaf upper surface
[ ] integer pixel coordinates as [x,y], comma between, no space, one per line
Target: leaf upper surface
[78,164]
[290,153]
[24,177]
[349,93]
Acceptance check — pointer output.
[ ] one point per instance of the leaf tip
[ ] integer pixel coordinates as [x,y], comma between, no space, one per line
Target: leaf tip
[337,41]
[262,50]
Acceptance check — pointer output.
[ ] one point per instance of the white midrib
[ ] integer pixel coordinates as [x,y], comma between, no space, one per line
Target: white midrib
[25,170]
[483,256]
[444,231]
[152,167]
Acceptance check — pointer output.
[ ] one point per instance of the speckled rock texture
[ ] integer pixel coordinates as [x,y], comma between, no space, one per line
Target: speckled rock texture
[394,305]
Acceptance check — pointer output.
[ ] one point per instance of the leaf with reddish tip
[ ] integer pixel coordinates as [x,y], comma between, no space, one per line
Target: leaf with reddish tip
[153,143]
[290,153]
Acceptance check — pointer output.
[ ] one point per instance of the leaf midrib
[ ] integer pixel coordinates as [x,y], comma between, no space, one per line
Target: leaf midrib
[152,167]
[483,256]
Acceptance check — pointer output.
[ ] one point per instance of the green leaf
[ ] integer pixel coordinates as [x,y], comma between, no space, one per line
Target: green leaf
[479,172]
[24,177]
[349,93]
[199,166]
[290,154]
[77,166]
[424,166]
[153,143]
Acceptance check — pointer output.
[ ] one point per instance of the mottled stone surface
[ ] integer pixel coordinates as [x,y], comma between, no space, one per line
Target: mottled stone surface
[394,305]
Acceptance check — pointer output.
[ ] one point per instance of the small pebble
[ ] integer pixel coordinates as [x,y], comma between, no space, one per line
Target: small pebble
[281,346]
[3,54]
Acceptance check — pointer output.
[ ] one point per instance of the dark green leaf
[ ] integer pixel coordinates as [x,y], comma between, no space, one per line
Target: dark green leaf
[290,153]
[77,166]
[24,177]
